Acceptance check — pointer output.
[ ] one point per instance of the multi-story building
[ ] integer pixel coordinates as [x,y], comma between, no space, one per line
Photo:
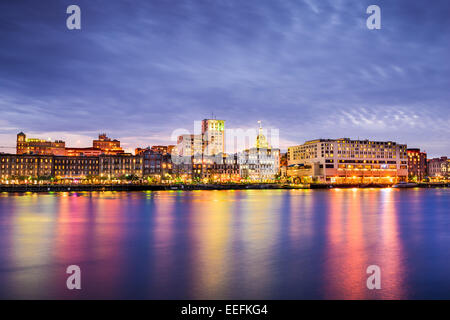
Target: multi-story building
[26,145]
[189,145]
[213,134]
[209,143]
[107,145]
[417,164]
[260,163]
[103,145]
[156,164]
[348,161]
[218,168]
[115,166]
[25,165]
[66,167]
[184,170]
[439,168]
[70,167]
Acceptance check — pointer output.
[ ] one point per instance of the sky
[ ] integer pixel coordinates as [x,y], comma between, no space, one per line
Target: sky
[139,70]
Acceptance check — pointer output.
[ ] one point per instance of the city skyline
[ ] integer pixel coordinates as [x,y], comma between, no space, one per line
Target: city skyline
[220,157]
[233,147]
[312,70]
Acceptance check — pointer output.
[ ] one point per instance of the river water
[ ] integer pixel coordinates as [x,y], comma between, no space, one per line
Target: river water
[246,244]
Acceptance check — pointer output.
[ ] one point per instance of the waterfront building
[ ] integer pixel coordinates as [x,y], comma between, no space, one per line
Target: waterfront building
[25,166]
[183,170]
[26,145]
[156,164]
[260,163]
[348,161]
[107,145]
[417,165]
[75,167]
[120,165]
[69,167]
[217,168]
[439,168]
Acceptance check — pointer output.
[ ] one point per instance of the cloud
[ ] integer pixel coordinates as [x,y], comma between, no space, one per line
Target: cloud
[310,68]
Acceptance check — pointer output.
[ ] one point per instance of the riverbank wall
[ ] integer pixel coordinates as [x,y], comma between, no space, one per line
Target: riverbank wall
[142,187]
[189,187]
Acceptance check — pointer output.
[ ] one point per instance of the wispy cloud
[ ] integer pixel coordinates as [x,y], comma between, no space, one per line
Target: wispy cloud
[310,68]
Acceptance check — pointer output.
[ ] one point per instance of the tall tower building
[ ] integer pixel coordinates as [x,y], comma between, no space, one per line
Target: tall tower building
[213,132]
[21,146]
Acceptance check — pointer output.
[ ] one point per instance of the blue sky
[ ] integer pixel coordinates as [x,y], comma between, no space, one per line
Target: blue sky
[140,69]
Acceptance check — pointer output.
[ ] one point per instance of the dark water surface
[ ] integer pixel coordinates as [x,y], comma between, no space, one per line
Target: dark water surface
[251,244]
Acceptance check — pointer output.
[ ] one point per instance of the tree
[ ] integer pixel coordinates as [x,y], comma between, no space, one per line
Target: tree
[44,178]
[131,177]
[151,180]
[167,177]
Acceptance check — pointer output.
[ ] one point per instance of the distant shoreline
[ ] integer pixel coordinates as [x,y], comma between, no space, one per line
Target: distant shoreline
[192,187]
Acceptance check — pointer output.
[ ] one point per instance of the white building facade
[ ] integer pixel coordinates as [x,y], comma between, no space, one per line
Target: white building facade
[348,161]
[261,163]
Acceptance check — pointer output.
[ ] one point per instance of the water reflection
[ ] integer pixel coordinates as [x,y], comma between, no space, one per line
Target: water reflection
[252,244]
[31,233]
[392,257]
[363,231]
